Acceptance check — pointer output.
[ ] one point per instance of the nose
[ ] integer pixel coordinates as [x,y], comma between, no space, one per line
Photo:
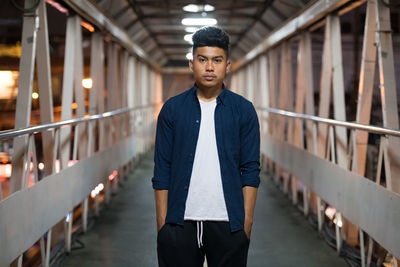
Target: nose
[209,66]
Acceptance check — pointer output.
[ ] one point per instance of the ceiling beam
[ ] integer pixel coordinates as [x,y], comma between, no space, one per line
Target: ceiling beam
[163,15]
[180,34]
[177,45]
[144,40]
[131,24]
[135,7]
[139,34]
[218,5]
[92,13]
[121,12]
[309,16]
[173,27]
[172,41]
[266,25]
[257,17]
[278,13]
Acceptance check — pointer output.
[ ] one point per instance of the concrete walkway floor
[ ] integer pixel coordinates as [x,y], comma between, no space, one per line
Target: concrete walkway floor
[125,232]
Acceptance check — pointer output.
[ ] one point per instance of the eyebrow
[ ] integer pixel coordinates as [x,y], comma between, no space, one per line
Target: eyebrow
[199,55]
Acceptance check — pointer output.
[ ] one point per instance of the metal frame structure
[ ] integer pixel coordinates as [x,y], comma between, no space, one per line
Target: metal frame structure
[300,148]
[316,151]
[44,203]
[373,205]
[81,137]
[156,25]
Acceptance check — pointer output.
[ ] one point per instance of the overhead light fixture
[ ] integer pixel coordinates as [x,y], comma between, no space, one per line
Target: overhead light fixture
[191,29]
[208,8]
[189,56]
[199,21]
[188,38]
[198,8]
[191,8]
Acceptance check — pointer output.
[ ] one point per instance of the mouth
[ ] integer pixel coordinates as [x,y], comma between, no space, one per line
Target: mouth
[209,78]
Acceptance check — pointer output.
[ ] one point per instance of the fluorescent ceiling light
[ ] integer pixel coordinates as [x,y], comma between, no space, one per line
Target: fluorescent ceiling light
[191,8]
[189,56]
[208,8]
[190,29]
[199,21]
[198,8]
[188,38]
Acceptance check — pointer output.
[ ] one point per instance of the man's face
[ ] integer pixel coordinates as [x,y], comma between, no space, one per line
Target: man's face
[209,66]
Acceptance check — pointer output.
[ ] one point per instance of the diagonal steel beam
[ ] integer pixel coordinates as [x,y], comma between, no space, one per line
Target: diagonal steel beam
[310,15]
[92,13]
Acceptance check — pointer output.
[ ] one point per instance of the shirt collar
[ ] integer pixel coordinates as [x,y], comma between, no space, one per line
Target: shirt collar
[220,97]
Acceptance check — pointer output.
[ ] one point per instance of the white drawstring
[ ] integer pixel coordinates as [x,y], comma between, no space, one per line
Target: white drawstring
[199,233]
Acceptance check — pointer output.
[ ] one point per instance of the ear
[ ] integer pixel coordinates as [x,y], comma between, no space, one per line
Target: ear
[228,66]
[191,64]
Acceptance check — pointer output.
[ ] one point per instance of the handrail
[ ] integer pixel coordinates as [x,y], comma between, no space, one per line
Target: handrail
[8,134]
[363,127]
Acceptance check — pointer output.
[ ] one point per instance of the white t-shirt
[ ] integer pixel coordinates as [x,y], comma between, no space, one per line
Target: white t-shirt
[205,199]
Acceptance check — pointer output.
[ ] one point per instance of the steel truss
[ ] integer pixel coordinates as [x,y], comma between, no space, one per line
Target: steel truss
[286,146]
[32,211]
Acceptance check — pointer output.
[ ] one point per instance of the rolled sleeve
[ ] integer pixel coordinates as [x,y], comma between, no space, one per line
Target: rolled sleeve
[250,148]
[163,149]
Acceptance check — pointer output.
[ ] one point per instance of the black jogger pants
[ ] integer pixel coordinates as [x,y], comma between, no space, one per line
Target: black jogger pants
[186,246]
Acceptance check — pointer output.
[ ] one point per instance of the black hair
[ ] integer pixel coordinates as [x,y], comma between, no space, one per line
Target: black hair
[211,36]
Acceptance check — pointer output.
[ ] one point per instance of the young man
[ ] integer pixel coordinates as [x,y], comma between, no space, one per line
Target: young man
[206,170]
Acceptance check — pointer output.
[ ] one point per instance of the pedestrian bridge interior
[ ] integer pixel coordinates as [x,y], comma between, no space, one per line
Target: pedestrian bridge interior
[81,86]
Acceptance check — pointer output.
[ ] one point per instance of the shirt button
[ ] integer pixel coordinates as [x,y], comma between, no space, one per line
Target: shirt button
[197,121]
[186,187]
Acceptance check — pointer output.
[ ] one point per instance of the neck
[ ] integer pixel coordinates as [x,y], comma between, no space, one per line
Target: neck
[209,93]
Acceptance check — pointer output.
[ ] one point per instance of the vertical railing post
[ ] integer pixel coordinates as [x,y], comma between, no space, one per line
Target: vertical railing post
[364,103]
[273,100]
[301,88]
[286,103]
[24,100]
[309,109]
[387,86]
[143,93]
[46,107]
[264,90]
[71,68]
[250,82]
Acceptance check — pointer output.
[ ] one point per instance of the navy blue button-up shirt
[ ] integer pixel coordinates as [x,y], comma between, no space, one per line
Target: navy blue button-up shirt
[238,143]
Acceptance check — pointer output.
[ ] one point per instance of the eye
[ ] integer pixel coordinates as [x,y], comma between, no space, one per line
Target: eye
[218,60]
[202,60]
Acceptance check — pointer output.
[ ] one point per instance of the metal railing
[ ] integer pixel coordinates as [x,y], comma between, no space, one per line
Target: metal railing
[125,132]
[336,184]
[351,125]
[12,133]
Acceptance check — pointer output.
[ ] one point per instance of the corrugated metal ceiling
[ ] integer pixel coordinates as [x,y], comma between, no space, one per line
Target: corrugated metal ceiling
[156,24]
